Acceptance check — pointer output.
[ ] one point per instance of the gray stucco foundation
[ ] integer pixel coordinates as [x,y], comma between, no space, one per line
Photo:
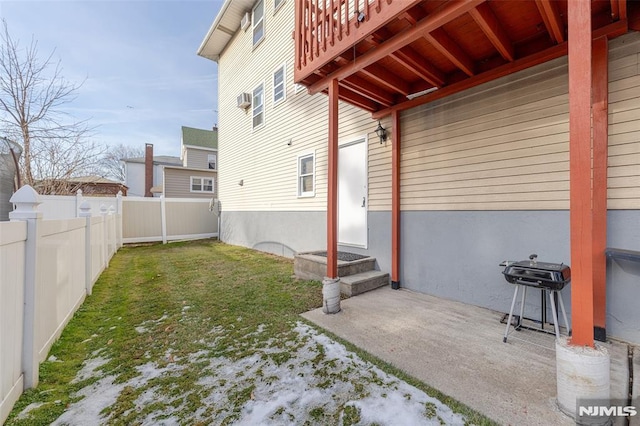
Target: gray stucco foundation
[455,254]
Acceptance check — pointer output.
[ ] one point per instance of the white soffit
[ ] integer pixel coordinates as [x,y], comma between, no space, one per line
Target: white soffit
[226,24]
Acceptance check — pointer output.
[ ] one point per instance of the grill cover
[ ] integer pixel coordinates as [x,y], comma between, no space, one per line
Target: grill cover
[538,274]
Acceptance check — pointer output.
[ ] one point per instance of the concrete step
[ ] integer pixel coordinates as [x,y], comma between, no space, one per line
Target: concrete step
[355,284]
[308,266]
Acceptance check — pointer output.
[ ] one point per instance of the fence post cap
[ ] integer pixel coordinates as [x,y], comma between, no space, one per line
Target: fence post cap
[112,209]
[103,209]
[85,209]
[26,200]
[79,192]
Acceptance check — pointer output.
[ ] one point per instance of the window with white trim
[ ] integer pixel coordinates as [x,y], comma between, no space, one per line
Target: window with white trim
[306,175]
[201,184]
[277,4]
[298,87]
[212,161]
[258,106]
[279,92]
[257,19]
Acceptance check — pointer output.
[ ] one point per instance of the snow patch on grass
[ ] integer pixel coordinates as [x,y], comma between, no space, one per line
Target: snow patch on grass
[303,377]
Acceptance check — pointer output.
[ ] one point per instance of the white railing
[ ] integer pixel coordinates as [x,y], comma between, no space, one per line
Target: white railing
[47,268]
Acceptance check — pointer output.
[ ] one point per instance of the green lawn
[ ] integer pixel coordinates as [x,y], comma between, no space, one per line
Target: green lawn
[206,333]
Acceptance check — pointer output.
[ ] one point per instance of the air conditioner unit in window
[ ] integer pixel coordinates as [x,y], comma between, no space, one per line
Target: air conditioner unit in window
[245,21]
[244,100]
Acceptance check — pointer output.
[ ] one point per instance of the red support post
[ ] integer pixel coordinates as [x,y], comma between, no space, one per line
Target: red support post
[332,183]
[581,221]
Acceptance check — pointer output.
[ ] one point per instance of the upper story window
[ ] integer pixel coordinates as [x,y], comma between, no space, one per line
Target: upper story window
[257,19]
[258,106]
[279,92]
[201,184]
[306,175]
[277,4]
[298,87]
[212,161]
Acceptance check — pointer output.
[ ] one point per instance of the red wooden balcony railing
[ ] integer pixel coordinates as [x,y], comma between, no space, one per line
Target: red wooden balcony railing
[326,28]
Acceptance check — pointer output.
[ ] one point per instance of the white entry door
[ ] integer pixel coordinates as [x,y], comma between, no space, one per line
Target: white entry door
[352,194]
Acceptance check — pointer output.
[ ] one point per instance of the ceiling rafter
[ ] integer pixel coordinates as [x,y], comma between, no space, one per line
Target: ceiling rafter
[386,78]
[357,99]
[489,24]
[368,89]
[423,69]
[612,30]
[411,60]
[551,18]
[450,49]
[615,9]
[412,16]
[622,10]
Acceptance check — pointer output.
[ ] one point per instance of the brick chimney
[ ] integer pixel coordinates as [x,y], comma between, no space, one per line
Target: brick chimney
[148,169]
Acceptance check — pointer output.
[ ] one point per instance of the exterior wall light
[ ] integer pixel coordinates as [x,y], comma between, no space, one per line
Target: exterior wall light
[381,132]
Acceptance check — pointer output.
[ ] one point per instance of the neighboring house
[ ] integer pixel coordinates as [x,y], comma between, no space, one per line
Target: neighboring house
[89,185]
[136,176]
[475,166]
[197,175]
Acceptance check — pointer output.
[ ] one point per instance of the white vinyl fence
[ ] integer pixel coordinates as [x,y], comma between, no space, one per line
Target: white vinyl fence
[47,268]
[143,219]
[53,250]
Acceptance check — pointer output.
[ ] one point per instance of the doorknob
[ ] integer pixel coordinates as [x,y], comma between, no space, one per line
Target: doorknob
[363,201]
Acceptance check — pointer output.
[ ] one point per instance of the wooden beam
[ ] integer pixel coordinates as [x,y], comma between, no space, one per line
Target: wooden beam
[368,89]
[615,9]
[450,49]
[395,200]
[423,69]
[622,9]
[411,60]
[386,78]
[551,18]
[489,24]
[332,183]
[580,195]
[600,155]
[448,12]
[354,98]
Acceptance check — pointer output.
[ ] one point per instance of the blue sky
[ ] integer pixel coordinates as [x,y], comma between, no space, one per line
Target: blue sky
[142,77]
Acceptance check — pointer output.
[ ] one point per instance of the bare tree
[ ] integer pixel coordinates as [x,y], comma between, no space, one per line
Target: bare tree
[32,92]
[111,162]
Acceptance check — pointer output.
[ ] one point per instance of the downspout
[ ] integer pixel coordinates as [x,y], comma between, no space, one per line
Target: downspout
[600,156]
[395,200]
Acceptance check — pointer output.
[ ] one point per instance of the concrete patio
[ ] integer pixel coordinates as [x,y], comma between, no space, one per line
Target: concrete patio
[457,349]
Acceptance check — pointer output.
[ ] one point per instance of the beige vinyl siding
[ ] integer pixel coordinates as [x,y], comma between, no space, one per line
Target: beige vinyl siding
[624,123]
[197,158]
[177,183]
[505,145]
[263,159]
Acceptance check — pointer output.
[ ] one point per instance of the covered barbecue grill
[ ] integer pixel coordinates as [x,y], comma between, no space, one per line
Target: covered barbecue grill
[545,276]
